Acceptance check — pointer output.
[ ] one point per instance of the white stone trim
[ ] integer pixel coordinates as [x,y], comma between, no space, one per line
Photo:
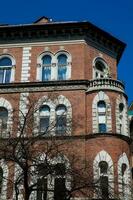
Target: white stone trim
[5,169]
[123,159]
[125,125]
[101,96]
[55,43]
[24,101]
[25,73]
[104,156]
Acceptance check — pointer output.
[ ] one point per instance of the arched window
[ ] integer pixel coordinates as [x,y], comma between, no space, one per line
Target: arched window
[3,120]
[44,112]
[46,68]
[5,70]
[100,69]
[61,119]
[101,106]
[103,166]
[1,179]
[62,66]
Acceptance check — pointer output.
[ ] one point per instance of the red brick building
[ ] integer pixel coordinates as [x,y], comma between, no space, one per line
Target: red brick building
[76,62]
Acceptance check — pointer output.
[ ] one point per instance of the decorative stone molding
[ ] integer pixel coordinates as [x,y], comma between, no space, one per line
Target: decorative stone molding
[60,100]
[25,73]
[125,180]
[125,131]
[105,84]
[99,97]
[104,156]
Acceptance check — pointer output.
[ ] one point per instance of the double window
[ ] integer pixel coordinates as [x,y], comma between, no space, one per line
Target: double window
[60,122]
[54,67]
[55,183]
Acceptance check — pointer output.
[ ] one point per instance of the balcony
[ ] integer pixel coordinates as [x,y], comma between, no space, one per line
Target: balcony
[105,84]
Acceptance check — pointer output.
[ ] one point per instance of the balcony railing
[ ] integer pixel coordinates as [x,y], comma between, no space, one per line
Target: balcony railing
[106,83]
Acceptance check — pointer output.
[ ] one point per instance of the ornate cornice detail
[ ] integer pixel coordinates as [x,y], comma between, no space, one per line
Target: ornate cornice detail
[62,31]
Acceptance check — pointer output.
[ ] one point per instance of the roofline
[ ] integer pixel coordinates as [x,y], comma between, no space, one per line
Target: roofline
[70,24]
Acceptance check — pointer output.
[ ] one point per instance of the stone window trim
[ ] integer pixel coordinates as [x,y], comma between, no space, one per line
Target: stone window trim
[59,159]
[122,126]
[101,96]
[5,169]
[54,64]
[60,100]
[126,177]
[13,65]
[105,73]
[104,156]
[5,104]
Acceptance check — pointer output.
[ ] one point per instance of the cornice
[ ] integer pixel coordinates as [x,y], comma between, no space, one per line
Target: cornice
[63,31]
[66,85]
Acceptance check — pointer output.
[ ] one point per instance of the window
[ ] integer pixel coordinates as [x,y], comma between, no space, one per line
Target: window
[44,112]
[5,70]
[42,181]
[101,106]
[46,68]
[62,67]
[123,170]
[1,179]
[104,179]
[61,119]
[3,119]
[59,182]
[100,69]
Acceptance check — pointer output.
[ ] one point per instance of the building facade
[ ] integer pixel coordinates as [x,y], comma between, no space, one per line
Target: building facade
[70,70]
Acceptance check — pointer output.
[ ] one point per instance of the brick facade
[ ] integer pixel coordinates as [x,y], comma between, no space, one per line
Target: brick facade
[84,138]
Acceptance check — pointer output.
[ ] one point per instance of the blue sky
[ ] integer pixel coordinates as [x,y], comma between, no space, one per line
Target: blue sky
[114,16]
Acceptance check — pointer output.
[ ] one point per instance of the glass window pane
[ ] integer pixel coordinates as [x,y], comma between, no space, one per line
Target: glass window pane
[46,60]
[62,72]
[1,75]
[7,75]
[3,118]
[102,128]
[46,73]
[104,185]
[44,124]
[62,59]
[59,189]
[60,124]
[42,189]
[5,62]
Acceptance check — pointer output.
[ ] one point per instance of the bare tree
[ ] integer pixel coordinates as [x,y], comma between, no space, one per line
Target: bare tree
[37,165]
